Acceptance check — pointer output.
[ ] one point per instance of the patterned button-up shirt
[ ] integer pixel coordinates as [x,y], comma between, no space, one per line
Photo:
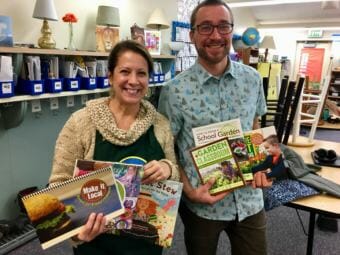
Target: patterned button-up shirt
[195,98]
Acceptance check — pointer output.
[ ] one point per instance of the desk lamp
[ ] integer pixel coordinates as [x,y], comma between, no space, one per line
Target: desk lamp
[267,43]
[45,10]
[108,16]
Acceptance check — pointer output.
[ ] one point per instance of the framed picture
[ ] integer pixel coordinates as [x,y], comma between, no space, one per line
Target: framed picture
[153,41]
[106,38]
[137,34]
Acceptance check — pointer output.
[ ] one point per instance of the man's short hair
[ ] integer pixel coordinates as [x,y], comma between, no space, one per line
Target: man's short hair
[208,3]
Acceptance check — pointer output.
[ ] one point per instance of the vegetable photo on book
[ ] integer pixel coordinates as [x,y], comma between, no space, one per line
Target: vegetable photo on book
[59,211]
[216,160]
[231,129]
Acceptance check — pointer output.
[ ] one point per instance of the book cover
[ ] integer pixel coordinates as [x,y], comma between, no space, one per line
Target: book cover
[153,41]
[137,34]
[155,216]
[6,35]
[216,160]
[264,152]
[231,129]
[106,38]
[128,179]
[59,211]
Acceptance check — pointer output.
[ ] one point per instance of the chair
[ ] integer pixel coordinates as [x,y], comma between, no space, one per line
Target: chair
[283,110]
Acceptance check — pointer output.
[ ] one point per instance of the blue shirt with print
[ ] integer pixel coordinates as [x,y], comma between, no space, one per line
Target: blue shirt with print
[196,98]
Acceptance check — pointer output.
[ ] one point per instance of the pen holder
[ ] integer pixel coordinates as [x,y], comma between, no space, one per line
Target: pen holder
[28,87]
[102,82]
[53,85]
[71,84]
[88,83]
[6,89]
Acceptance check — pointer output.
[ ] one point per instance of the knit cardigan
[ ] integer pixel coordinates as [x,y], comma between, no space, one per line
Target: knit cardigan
[77,138]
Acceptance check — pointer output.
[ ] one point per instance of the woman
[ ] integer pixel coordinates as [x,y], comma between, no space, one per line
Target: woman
[118,128]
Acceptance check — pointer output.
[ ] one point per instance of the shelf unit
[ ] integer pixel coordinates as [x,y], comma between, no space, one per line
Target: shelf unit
[12,109]
[249,56]
[334,87]
[166,61]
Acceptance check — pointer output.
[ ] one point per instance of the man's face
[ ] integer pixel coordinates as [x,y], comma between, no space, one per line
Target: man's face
[213,48]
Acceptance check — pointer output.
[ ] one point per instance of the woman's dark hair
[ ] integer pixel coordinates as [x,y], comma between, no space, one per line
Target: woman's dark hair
[129,45]
[208,3]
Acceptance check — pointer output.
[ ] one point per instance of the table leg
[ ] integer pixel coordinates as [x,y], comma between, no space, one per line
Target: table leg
[311,233]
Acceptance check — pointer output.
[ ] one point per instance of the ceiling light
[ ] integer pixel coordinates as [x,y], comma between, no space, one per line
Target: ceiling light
[269,2]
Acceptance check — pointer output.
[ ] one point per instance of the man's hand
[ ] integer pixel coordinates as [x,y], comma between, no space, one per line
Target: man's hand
[202,195]
[261,180]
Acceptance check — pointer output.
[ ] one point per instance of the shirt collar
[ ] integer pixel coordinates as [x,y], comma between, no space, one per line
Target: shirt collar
[203,75]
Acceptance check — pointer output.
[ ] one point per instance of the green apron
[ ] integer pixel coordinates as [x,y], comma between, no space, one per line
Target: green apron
[145,149]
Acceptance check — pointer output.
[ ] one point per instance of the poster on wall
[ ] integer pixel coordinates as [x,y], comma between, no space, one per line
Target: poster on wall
[311,62]
[153,41]
[106,37]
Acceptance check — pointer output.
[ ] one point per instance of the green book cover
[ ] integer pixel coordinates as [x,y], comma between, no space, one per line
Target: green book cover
[216,160]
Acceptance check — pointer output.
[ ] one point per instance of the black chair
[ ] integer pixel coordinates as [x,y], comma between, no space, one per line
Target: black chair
[283,110]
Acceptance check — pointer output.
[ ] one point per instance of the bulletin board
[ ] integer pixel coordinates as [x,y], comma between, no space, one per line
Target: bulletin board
[186,57]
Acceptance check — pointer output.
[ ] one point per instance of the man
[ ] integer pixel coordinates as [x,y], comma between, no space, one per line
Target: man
[215,89]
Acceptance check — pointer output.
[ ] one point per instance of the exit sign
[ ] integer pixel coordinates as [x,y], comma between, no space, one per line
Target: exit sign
[315,33]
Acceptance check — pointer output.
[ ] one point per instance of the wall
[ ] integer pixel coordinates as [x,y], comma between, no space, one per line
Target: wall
[26,151]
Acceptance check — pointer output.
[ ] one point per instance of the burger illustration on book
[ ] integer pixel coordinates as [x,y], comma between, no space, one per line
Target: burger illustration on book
[48,215]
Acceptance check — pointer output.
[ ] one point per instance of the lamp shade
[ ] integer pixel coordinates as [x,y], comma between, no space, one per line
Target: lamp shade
[268,43]
[44,9]
[108,16]
[157,20]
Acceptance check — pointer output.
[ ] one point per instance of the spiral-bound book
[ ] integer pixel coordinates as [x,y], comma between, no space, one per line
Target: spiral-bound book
[59,211]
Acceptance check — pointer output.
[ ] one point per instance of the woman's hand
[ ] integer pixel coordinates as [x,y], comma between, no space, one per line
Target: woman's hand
[94,226]
[155,171]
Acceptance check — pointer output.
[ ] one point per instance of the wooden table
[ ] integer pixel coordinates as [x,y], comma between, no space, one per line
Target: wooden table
[323,204]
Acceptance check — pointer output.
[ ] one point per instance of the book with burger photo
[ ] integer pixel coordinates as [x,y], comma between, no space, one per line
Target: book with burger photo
[155,216]
[59,211]
[128,179]
[216,160]
[231,129]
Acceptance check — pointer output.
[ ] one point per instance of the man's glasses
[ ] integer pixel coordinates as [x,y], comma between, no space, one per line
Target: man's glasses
[207,29]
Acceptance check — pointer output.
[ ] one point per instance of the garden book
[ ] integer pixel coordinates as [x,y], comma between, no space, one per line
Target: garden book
[128,179]
[231,129]
[59,211]
[216,160]
[155,216]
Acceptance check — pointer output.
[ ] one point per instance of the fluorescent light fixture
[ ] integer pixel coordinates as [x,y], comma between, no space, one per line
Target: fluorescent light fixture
[269,2]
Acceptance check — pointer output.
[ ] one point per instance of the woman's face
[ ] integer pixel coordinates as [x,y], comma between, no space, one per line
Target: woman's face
[130,78]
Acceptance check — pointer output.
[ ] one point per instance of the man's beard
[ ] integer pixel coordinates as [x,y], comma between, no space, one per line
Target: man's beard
[212,59]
